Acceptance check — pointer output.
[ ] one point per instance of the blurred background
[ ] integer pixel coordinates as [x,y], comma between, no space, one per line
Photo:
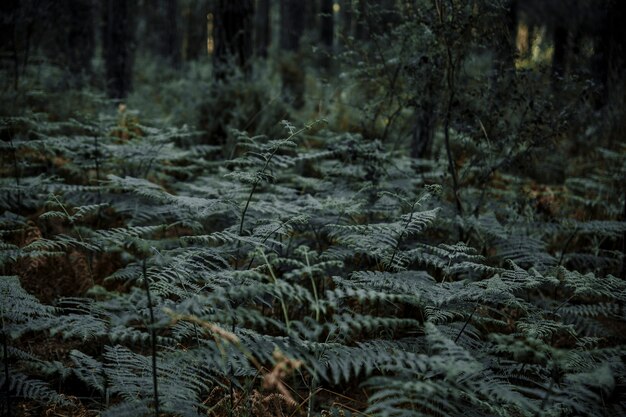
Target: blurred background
[386,69]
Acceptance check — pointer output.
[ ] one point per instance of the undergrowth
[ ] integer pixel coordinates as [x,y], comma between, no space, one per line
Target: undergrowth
[315,272]
[246,265]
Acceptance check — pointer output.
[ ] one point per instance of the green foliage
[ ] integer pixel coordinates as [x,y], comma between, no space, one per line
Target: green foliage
[314,261]
[338,258]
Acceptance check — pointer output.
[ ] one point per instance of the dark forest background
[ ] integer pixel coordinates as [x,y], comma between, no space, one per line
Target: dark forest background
[148,52]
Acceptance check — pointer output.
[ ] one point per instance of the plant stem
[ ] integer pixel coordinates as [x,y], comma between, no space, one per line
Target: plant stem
[7,381]
[566,246]
[448,113]
[69,217]
[275,281]
[314,287]
[257,180]
[152,340]
[544,402]
[466,323]
[17,174]
[311,397]
[395,250]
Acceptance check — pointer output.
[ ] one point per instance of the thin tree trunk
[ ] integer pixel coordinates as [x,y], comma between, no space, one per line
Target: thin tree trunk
[196,32]
[312,12]
[422,133]
[327,23]
[118,46]
[232,34]
[362,22]
[346,19]
[80,37]
[171,44]
[291,28]
[291,25]
[559,57]
[327,31]
[609,61]
[262,30]
[623,271]
[9,10]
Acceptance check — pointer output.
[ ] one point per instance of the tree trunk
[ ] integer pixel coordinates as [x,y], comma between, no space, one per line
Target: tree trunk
[375,18]
[80,37]
[346,19]
[422,133]
[170,38]
[262,30]
[523,39]
[507,47]
[292,74]
[196,34]
[327,29]
[327,23]
[559,56]
[504,47]
[9,36]
[623,271]
[609,60]
[388,16]
[310,9]
[232,34]
[291,25]
[617,40]
[362,30]
[118,47]
[159,30]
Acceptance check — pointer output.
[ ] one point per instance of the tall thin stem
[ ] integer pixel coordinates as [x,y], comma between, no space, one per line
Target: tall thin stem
[152,340]
[448,114]
[80,236]
[17,174]
[313,286]
[466,323]
[7,381]
[398,240]
[275,281]
[258,178]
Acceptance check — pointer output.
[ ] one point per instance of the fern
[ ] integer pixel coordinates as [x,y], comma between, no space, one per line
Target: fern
[309,265]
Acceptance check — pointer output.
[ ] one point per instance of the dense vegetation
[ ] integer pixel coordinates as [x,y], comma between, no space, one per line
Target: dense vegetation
[424,217]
